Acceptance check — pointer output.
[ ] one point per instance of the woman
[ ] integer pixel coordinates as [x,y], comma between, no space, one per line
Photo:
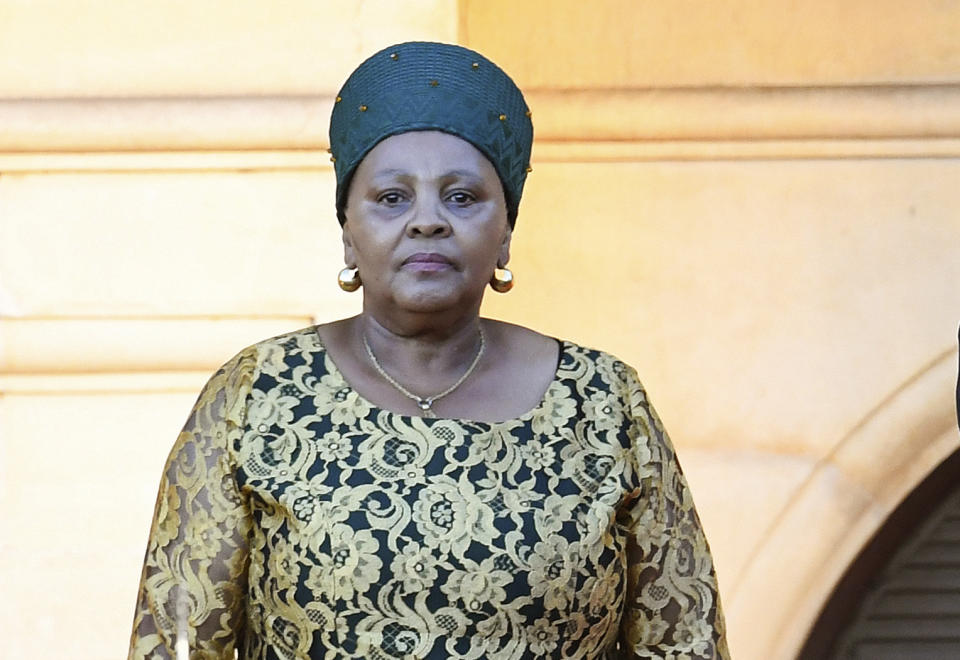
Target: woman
[417,481]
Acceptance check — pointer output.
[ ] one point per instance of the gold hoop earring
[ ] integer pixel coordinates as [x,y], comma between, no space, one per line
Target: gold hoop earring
[349,279]
[502,280]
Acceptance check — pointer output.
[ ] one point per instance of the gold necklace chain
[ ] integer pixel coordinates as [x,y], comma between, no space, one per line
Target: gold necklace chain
[425,403]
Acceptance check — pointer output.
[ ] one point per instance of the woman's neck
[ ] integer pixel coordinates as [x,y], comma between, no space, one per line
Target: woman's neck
[418,352]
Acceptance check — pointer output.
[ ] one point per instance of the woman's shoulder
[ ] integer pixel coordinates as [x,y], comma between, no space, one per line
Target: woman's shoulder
[597,356]
[517,343]
[243,365]
[299,339]
[302,339]
[611,381]
[608,366]
[591,368]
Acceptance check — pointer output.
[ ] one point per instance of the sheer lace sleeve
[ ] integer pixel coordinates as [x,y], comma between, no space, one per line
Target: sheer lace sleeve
[672,608]
[194,573]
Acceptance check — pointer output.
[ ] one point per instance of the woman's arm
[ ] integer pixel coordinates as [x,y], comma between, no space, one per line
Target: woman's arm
[194,574]
[672,607]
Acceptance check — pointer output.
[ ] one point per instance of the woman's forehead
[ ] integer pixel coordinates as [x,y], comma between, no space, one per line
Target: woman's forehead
[425,151]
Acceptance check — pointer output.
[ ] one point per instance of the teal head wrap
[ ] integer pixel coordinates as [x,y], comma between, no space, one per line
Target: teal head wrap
[420,86]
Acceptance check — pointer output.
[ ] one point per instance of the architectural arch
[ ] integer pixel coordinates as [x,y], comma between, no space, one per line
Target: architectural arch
[903,589]
[847,498]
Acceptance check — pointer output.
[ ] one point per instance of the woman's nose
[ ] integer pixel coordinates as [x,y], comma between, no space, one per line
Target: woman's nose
[428,219]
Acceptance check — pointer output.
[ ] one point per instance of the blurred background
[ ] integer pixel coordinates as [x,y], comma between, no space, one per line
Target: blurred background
[756,203]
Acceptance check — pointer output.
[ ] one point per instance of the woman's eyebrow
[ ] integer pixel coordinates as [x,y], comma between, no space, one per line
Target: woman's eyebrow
[389,172]
[404,175]
[461,174]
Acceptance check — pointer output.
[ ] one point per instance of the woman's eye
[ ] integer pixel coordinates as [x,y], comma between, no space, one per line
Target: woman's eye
[390,197]
[461,197]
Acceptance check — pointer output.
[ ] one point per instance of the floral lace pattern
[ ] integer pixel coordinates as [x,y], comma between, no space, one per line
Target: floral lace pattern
[297,520]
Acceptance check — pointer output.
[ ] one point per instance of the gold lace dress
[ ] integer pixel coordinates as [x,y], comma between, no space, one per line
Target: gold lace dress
[297,520]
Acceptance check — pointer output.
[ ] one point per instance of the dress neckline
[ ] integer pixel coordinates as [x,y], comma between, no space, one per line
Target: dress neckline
[334,370]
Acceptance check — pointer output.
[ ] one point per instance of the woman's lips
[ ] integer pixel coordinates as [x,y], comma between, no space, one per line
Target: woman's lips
[427,261]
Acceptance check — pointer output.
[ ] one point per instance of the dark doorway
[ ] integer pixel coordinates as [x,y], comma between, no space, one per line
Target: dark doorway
[900,598]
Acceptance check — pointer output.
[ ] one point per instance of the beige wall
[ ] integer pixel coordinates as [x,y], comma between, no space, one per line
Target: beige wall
[755,203]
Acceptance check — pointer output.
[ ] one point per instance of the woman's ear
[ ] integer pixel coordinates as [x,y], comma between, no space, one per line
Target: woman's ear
[349,258]
[503,256]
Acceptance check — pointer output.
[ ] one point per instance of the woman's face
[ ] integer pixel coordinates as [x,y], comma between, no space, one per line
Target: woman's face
[426,223]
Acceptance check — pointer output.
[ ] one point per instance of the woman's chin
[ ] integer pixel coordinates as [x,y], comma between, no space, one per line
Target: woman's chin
[428,298]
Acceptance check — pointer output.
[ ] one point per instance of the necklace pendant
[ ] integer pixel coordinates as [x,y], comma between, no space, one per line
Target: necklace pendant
[425,407]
